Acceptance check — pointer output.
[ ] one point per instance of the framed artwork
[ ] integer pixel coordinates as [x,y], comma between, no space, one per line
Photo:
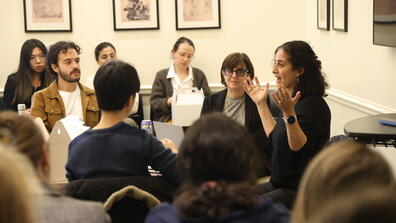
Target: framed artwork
[323,14]
[47,15]
[135,14]
[340,15]
[202,14]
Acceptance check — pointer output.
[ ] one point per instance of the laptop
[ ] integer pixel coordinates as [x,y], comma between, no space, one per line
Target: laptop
[172,132]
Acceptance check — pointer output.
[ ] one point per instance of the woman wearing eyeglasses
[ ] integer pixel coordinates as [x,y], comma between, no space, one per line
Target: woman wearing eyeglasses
[303,126]
[179,75]
[234,103]
[30,77]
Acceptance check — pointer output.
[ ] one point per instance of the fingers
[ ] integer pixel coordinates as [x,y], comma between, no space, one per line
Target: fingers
[297,97]
[256,81]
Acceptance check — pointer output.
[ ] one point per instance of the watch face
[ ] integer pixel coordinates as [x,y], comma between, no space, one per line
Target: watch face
[291,119]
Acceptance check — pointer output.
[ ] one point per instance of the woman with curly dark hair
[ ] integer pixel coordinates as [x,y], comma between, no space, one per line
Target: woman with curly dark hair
[215,164]
[303,126]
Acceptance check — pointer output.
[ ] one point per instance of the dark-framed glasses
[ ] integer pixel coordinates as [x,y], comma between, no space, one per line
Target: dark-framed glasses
[238,72]
[35,57]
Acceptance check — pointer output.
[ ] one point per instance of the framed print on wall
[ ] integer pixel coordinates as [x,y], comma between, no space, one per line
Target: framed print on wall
[323,14]
[340,15]
[47,15]
[135,14]
[203,14]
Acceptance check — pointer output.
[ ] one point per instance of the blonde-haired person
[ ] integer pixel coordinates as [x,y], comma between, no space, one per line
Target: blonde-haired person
[364,205]
[15,199]
[338,170]
[22,132]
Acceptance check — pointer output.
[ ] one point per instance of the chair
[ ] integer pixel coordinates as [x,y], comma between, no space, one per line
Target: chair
[130,204]
[127,199]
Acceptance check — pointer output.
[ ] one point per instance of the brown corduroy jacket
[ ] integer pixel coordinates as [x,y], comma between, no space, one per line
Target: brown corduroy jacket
[47,104]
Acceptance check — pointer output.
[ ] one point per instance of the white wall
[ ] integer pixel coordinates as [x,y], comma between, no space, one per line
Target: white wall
[255,27]
[352,63]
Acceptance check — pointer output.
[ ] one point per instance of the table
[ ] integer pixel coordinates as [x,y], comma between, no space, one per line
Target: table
[369,130]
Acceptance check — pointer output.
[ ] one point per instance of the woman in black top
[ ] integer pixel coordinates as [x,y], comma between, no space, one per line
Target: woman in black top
[30,77]
[234,103]
[303,126]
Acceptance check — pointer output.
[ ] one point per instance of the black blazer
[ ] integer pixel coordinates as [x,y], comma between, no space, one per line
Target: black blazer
[215,103]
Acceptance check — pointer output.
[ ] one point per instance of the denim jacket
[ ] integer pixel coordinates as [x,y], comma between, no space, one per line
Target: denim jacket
[48,105]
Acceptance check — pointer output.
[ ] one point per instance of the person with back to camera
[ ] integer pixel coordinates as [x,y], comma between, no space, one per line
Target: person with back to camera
[105,52]
[113,148]
[341,169]
[234,103]
[179,75]
[15,191]
[215,165]
[30,77]
[303,126]
[52,206]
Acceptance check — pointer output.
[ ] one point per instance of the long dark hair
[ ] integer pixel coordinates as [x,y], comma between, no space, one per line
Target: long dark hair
[24,87]
[312,81]
[215,164]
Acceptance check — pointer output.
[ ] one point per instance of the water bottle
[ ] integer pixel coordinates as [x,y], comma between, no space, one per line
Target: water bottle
[147,125]
[21,109]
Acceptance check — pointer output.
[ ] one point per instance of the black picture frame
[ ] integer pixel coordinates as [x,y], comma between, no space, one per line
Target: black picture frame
[323,14]
[340,15]
[135,17]
[196,20]
[36,19]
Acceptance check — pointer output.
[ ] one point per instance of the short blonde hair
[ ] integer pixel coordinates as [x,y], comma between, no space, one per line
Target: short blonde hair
[15,192]
[339,169]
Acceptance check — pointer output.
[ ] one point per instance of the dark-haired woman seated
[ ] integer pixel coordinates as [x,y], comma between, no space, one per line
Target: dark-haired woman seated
[215,164]
[234,103]
[303,126]
[30,77]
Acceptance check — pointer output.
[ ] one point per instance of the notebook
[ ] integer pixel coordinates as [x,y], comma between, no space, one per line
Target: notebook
[173,132]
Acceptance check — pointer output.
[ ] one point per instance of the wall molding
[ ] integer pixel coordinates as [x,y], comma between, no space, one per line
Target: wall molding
[357,103]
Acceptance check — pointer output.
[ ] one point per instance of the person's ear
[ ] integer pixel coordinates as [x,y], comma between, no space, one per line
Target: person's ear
[55,68]
[300,71]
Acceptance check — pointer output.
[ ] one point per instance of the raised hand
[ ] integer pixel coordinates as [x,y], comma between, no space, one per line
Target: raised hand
[284,101]
[256,93]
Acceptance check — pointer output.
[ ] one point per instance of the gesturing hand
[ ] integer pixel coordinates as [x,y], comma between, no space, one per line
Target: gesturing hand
[285,102]
[256,93]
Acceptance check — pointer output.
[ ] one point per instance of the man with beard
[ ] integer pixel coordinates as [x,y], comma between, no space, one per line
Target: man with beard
[65,96]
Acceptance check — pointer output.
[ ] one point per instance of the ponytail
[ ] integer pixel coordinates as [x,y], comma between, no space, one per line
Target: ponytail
[212,199]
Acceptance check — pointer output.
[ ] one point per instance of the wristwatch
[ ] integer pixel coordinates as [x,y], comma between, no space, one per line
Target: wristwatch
[291,119]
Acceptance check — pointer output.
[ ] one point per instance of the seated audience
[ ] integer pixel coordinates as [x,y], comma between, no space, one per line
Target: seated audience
[359,206]
[234,103]
[302,128]
[215,165]
[30,77]
[114,148]
[15,195]
[65,96]
[105,52]
[179,75]
[339,170]
[53,207]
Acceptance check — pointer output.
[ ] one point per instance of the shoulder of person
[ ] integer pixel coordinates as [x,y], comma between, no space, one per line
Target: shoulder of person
[163,72]
[198,71]
[164,211]
[87,90]
[12,76]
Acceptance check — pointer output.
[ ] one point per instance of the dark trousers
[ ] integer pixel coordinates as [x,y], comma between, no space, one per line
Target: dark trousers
[285,196]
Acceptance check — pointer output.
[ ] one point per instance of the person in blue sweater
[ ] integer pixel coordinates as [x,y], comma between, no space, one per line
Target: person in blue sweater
[216,167]
[113,148]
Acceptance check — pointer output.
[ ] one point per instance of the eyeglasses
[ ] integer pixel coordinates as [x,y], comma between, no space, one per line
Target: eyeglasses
[279,63]
[238,72]
[35,57]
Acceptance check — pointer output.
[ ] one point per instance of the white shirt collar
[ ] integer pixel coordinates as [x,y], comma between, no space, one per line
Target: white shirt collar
[172,73]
